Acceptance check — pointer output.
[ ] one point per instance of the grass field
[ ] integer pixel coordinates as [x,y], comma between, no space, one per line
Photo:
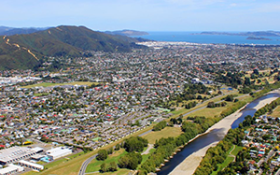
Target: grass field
[41,94]
[246,98]
[57,84]
[210,112]
[166,132]
[95,164]
[119,172]
[231,153]
[276,112]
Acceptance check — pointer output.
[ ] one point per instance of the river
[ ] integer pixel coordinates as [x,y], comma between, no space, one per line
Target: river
[211,137]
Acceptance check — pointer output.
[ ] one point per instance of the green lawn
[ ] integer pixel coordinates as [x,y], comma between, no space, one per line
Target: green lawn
[210,112]
[41,94]
[247,98]
[276,112]
[95,164]
[119,172]
[57,84]
[232,152]
[164,133]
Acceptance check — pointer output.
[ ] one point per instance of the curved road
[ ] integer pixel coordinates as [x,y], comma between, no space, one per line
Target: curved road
[85,164]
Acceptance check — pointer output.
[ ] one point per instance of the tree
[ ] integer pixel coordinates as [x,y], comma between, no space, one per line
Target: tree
[211,104]
[103,168]
[102,155]
[247,81]
[113,166]
[117,147]
[160,126]
[110,150]
[130,160]
[256,71]
[135,144]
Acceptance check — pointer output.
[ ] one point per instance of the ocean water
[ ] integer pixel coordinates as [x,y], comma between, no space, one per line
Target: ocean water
[216,39]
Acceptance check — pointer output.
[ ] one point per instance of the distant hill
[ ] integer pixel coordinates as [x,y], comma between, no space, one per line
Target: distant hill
[252,34]
[127,33]
[26,51]
[14,31]
[4,29]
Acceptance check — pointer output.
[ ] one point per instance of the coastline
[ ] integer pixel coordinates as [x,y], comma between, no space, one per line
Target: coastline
[189,165]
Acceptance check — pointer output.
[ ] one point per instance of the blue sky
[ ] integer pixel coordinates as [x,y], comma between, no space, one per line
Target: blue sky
[146,15]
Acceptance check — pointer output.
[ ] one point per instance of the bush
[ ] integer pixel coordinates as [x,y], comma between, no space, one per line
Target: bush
[135,144]
[112,166]
[130,160]
[161,125]
[102,154]
[211,104]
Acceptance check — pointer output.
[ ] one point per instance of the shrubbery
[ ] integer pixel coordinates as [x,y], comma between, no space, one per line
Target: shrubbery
[102,154]
[161,125]
[135,144]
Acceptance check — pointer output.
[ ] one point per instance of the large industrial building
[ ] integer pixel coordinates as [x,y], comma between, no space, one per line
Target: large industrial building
[14,154]
[58,152]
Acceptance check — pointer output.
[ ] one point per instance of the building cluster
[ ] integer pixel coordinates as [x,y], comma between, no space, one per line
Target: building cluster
[262,141]
[16,159]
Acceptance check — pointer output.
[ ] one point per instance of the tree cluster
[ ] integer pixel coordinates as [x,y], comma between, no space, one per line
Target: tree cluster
[135,144]
[130,160]
[177,121]
[190,105]
[230,79]
[190,91]
[108,167]
[212,104]
[102,154]
[161,125]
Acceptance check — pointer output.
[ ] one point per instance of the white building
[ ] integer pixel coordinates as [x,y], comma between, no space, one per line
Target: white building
[59,152]
[11,169]
[31,165]
[17,153]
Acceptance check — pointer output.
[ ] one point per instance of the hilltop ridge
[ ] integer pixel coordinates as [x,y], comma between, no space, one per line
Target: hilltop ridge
[25,51]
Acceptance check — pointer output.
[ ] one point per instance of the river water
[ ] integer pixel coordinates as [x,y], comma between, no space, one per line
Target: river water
[213,136]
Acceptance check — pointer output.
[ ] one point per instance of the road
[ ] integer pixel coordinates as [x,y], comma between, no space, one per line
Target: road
[85,164]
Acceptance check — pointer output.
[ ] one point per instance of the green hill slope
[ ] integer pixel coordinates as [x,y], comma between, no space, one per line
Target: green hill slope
[25,51]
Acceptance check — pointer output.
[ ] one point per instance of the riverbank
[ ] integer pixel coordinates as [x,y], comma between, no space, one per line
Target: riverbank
[189,165]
